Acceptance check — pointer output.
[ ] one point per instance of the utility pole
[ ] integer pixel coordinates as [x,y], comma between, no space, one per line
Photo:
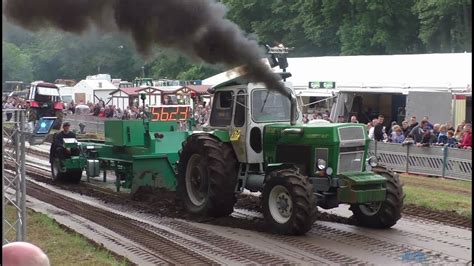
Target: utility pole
[143,71]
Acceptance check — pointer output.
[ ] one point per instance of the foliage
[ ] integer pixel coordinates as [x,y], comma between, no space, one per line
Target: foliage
[16,65]
[313,27]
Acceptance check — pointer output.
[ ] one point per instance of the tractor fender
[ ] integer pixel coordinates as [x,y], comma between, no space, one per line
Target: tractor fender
[277,166]
[221,135]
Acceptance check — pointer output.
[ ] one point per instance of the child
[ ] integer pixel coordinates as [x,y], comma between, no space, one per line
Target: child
[442,137]
[452,141]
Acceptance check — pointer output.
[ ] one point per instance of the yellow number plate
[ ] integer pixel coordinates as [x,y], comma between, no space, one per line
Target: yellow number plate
[235,136]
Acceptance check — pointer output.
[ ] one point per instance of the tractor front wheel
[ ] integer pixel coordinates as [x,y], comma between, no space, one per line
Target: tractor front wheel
[386,213]
[207,175]
[72,175]
[289,203]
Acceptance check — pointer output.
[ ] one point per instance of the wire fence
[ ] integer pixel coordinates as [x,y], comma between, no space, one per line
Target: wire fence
[13,184]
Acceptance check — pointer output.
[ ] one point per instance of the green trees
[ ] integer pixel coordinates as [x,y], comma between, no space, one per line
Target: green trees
[313,27]
[16,65]
[358,27]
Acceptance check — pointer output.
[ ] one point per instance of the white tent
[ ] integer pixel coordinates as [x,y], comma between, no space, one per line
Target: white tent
[90,90]
[451,70]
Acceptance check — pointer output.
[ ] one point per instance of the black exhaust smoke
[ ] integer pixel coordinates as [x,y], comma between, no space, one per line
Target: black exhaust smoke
[197,28]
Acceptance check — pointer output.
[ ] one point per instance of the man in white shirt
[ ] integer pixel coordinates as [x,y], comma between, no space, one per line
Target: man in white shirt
[375,122]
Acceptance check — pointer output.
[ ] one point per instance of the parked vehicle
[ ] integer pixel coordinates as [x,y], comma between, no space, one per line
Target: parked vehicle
[45,101]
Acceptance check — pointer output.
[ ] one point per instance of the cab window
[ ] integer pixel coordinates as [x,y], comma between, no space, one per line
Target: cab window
[240,109]
[221,114]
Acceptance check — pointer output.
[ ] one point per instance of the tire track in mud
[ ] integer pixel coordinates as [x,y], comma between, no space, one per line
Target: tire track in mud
[393,250]
[163,248]
[413,211]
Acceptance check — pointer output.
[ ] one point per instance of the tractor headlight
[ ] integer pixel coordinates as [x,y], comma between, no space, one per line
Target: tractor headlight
[322,164]
[329,171]
[372,161]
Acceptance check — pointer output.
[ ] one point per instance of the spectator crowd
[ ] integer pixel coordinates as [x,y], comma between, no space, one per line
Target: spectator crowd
[421,134]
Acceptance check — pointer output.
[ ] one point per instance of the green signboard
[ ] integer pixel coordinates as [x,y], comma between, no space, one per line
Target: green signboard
[322,85]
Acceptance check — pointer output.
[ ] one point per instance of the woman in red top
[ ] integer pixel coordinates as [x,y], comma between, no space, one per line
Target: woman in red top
[102,112]
[466,142]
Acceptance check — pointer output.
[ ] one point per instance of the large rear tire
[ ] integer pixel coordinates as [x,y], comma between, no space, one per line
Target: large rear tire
[289,205]
[383,214]
[207,176]
[56,174]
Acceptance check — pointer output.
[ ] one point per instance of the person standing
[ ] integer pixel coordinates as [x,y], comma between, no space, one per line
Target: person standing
[418,132]
[466,142]
[379,129]
[397,135]
[354,119]
[375,123]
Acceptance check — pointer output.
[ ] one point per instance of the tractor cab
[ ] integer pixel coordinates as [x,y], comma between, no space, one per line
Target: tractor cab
[243,110]
[45,101]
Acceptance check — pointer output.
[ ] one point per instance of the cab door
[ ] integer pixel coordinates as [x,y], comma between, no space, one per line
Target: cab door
[238,133]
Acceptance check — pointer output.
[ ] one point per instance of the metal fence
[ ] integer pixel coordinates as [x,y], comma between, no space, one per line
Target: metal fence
[14,184]
[92,124]
[435,161]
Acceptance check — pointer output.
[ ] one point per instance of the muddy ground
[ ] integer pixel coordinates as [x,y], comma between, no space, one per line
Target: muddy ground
[167,204]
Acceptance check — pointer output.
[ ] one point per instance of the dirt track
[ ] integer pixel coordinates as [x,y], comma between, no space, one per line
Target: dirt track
[134,227]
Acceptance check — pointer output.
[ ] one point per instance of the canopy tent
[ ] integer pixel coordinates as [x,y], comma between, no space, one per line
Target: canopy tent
[451,70]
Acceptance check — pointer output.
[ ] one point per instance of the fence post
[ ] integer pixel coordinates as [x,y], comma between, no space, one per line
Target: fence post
[408,157]
[445,160]
[375,149]
[23,174]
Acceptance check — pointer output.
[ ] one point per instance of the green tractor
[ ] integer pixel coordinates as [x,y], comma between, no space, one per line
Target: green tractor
[255,140]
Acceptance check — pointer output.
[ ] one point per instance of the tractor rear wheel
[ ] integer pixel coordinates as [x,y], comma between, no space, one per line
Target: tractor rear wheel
[383,214]
[207,176]
[56,174]
[289,205]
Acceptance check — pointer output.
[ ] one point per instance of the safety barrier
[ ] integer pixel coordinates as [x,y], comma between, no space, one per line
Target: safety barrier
[434,160]
[93,124]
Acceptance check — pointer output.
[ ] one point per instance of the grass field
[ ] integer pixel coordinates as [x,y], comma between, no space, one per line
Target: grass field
[63,247]
[439,194]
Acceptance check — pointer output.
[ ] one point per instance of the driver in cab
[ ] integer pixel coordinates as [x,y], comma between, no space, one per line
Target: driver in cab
[57,147]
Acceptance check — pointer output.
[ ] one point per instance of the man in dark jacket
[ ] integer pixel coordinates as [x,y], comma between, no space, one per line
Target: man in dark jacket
[418,132]
[57,147]
[412,124]
[379,130]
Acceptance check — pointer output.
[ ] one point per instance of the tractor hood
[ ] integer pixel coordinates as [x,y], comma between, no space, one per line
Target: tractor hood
[343,134]
[342,146]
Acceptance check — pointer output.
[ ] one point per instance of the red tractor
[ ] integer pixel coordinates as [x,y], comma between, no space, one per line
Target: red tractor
[45,101]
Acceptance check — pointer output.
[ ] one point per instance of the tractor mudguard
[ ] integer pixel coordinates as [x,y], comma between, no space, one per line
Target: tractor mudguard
[277,166]
[361,187]
[221,135]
